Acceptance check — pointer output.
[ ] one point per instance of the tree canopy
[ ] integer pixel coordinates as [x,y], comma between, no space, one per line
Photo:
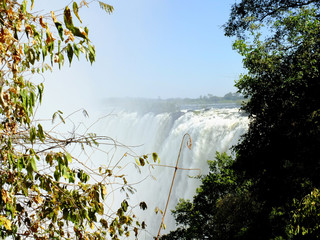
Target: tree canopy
[46,192]
[278,155]
[248,12]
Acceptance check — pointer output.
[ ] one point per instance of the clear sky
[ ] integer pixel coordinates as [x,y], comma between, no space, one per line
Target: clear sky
[151,49]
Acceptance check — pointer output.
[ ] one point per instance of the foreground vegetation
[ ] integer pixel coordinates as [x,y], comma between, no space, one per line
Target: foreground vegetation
[270,190]
[46,192]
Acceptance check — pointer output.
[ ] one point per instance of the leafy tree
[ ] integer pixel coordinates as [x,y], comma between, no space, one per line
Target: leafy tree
[304,222]
[280,42]
[282,83]
[280,149]
[248,12]
[46,193]
[221,208]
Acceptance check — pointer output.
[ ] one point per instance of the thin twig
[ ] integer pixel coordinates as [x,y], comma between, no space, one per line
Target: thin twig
[174,175]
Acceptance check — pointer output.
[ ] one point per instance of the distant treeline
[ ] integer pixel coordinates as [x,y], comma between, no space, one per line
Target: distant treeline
[159,105]
[209,99]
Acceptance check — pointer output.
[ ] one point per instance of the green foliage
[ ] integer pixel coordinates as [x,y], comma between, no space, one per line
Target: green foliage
[220,207]
[305,217]
[46,193]
[279,152]
[277,160]
[246,14]
[282,83]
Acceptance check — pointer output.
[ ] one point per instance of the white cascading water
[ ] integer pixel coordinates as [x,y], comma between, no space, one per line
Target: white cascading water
[211,130]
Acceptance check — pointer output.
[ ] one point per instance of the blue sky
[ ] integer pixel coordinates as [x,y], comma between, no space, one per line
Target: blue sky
[151,49]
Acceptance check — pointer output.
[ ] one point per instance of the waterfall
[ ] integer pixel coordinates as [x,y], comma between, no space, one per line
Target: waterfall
[213,129]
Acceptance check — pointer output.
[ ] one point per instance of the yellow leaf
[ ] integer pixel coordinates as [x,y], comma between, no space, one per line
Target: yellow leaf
[92,225]
[5,222]
[138,162]
[54,17]
[104,190]
[38,199]
[163,226]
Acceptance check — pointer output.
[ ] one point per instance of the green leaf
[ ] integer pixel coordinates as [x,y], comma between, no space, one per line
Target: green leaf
[24,6]
[41,133]
[33,164]
[106,7]
[76,10]
[32,134]
[68,157]
[20,163]
[76,50]
[44,51]
[124,205]
[70,53]
[4,4]
[31,55]
[56,175]
[58,113]
[79,32]
[92,53]
[155,156]
[68,19]
[60,29]
[40,91]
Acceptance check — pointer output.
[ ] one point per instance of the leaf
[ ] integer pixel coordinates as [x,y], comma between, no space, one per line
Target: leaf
[60,29]
[124,205]
[57,175]
[32,2]
[40,133]
[76,50]
[40,91]
[68,158]
[163,226]
[143,206]
[37,199]
[79,32]
[68,18]
[33,164]
[5,222]
[103,191]
[24,6]
[106,7]
[104,223]
[41,22]
[91,225]
[32,134]
[138,162]
[76,10]
[91,57]
[70,53]
[59,113]
[142,162]
[155,156]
